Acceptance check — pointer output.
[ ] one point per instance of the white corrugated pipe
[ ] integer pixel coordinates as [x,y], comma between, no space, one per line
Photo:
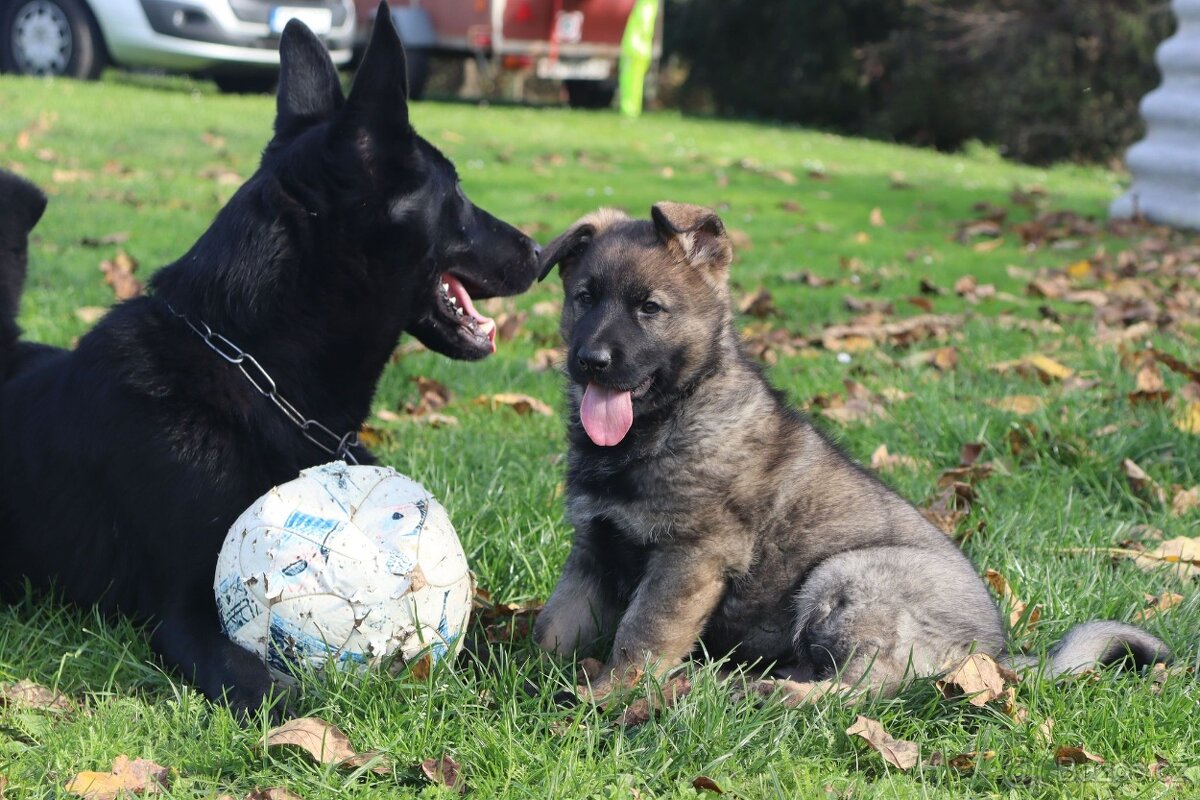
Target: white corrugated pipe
[1166,163]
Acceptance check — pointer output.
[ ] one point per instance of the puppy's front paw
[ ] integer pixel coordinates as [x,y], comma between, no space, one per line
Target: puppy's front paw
[600,681]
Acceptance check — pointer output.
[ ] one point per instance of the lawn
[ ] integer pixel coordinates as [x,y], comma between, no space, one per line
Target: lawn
[824,225]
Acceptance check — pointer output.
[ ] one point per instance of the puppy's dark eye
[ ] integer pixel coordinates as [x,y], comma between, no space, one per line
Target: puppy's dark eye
[651,307]
[584,298]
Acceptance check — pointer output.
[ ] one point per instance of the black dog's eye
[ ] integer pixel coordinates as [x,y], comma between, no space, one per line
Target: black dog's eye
[584,298]
[651,307]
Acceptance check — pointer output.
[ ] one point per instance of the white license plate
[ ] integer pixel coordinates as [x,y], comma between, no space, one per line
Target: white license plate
[595,69]
[318,20]
[568,27]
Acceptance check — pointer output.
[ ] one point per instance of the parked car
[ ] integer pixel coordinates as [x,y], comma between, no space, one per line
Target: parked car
[234,41]
[576,41]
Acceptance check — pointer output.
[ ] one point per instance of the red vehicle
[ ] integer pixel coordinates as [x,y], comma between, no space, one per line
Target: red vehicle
[575,41]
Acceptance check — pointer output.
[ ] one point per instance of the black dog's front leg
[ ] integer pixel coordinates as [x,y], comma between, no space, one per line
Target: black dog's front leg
[189,638]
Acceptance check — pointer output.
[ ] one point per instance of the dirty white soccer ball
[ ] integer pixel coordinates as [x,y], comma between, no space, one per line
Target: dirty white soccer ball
[349,565]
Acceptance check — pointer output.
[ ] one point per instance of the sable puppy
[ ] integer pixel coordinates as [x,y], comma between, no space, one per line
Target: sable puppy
[705,509]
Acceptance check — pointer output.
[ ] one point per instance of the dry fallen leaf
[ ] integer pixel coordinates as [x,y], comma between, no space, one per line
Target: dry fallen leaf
[1188,418]
[759,304]
[273,793]
[643,708]
[896,752]
[521,403]
[325,743]
[1185,501]
[90,315]
[1022,404]
[445,771]
[1035,365]
[1140,482]
[138,776]
[978,677]
[882,460]
[508,325]
[963,762]
[546,358]
[1182,553]
[1066,756]
[1156,605]
[32,696]
[1009,598]
[703,783]
[876,218]
[118,273]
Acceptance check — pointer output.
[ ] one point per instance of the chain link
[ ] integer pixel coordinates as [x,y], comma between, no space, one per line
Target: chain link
[337,446]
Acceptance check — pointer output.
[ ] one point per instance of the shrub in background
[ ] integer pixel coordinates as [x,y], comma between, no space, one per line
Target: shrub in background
[1044,80]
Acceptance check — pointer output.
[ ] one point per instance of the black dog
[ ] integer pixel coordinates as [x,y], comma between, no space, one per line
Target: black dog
[125,461]
[21,206]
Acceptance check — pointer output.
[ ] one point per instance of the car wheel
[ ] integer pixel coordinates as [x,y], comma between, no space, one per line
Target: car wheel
[250,83]
[51,37]
[590,94]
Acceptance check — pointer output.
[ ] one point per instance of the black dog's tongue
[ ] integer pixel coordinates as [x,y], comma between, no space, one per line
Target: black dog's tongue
[606,414]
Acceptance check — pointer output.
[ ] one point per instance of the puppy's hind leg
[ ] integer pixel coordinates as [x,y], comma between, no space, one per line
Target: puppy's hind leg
[878,617]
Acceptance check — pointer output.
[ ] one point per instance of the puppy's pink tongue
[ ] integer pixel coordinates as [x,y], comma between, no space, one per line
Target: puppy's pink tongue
[607,415]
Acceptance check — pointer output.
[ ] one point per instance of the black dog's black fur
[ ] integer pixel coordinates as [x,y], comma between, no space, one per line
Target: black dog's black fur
[21,206]
[125,461]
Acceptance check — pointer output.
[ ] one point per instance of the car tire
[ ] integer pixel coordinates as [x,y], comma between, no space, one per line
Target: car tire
[51,37]
[590,94]
[250,83]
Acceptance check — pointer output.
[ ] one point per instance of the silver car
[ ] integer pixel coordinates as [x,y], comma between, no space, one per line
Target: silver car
[234,41]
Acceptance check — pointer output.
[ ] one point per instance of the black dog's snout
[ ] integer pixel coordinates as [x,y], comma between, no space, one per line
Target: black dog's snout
[594,359]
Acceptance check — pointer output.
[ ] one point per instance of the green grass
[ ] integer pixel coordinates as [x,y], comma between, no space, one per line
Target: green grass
[145,160]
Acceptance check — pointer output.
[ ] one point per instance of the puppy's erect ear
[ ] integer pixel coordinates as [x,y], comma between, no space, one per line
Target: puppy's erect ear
[574,241]
[693,233]
[379,96]
[309,88]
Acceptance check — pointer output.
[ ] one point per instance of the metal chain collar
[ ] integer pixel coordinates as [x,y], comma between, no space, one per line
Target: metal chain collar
[337,446]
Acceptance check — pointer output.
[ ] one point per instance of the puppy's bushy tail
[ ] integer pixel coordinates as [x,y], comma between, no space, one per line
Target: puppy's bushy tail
[21,206]
[1096,644]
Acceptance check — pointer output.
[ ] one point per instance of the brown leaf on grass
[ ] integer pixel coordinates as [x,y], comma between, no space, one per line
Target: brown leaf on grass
[504,622]
[326,743]
[1022,404]
[896,752]
[987,246]
[943,359]
[509,325]
[969,453]
[808,278]
[138,776]
[445,771]
[34,697]
[1037,366]
[859,404]
[963,762]
[1009,599]
[1141,483]
[867,305]
[523,404]
[876,218]
[977,677]
[643,709]
[1149,387]
[758,304]
[1067,756]
[1188,418]
[272,793]
[3,786]
[1044,733]
[949,507]
[431,396]
[546,358]
[703,783]
[882,460]
[1185,500]
[1157,604]
[898,334]
[90,315]
[1180,555]
[118,273]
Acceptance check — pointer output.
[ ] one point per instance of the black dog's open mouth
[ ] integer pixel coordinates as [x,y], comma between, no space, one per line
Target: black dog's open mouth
[471,334]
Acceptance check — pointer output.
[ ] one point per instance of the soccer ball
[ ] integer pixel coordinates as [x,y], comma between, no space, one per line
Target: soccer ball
[349,565]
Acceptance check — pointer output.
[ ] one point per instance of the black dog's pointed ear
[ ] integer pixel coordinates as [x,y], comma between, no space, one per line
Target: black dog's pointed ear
[694,233]
[379,95]
[309,88]
[574,241]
